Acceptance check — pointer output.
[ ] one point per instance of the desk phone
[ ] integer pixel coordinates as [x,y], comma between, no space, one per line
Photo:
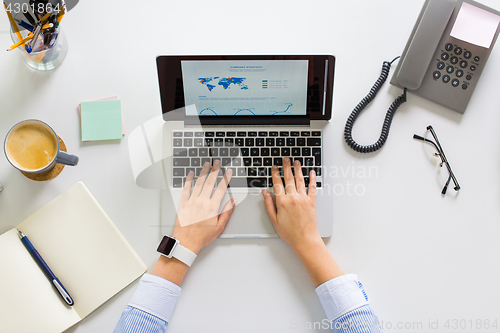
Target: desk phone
[442,61]
[447,51]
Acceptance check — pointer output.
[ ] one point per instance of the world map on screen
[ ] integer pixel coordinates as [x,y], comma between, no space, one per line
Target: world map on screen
[225,82]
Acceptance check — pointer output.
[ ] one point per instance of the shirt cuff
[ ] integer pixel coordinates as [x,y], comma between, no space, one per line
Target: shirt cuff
[156,296]
[341,295]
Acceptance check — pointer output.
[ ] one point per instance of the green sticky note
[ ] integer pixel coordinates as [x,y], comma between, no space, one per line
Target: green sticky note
[101,120]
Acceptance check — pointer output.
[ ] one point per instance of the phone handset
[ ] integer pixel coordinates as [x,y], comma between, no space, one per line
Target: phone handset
[417,58]
[414,64]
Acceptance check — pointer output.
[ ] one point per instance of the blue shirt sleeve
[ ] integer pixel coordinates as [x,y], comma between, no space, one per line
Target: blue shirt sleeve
[137,321]
[346,305]
[151,306]
[343,298]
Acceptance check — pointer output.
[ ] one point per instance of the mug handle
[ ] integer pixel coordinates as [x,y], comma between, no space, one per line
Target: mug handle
[66,159]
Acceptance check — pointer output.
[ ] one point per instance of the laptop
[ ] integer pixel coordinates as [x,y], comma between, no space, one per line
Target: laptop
[249,112]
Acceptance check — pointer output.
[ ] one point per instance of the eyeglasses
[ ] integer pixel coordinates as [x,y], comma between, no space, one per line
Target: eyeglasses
[440,153]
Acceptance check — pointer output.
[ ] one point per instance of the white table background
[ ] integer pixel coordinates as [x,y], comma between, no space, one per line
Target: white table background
[422,257]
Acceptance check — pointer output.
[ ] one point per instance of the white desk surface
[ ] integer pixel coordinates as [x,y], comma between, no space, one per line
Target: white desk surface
[422,257]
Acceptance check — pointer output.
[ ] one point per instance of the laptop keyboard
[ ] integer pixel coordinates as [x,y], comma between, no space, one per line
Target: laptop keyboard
[250,154]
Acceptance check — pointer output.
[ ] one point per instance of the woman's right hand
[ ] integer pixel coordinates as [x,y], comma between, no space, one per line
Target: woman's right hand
[294,216]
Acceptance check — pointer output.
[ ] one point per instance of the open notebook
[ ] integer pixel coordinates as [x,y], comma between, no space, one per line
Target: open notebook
[85,251]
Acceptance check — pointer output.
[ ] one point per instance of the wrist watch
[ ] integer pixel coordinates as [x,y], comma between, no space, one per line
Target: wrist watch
[170,247]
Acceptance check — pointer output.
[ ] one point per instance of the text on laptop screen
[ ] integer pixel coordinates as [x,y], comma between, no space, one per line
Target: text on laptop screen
[245,87]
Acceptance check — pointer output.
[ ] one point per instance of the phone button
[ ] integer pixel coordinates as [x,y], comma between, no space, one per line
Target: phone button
[459,73]
[445,56]
[467,54]
[450,69]
[446,78]
[455,83]
[436,74]
[476,58]
[464,86]
[473,68]
[458,51]
[448,47]
[454,60]
[469,77]
[463,63]
[441,65]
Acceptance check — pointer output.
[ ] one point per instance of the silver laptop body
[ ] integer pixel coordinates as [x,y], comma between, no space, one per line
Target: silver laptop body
[249,112]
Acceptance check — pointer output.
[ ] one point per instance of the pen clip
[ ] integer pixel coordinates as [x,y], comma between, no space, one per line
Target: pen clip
[67,298]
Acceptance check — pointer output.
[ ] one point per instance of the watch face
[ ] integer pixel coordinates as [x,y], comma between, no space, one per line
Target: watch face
[166,245]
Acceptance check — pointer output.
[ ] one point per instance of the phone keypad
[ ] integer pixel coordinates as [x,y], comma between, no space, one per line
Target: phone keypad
[455,63]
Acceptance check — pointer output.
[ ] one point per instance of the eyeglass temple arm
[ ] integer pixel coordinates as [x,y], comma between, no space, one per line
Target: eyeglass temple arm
[418,137]
[445,188]
[452,176]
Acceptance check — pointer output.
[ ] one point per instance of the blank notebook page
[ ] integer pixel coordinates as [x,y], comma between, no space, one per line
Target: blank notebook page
[83,247]
[28,302]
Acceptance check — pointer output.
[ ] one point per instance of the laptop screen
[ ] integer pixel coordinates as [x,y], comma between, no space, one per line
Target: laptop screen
[245,87]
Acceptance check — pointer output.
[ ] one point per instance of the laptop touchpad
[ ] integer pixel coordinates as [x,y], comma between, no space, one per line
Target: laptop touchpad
[249,216]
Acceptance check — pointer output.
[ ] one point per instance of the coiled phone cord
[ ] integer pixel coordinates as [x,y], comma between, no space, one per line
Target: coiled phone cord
[386,67]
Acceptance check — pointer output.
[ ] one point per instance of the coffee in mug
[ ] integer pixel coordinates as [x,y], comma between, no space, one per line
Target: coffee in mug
[32,146]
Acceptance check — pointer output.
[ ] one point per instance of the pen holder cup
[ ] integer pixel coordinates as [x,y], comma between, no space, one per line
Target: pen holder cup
[48,58]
